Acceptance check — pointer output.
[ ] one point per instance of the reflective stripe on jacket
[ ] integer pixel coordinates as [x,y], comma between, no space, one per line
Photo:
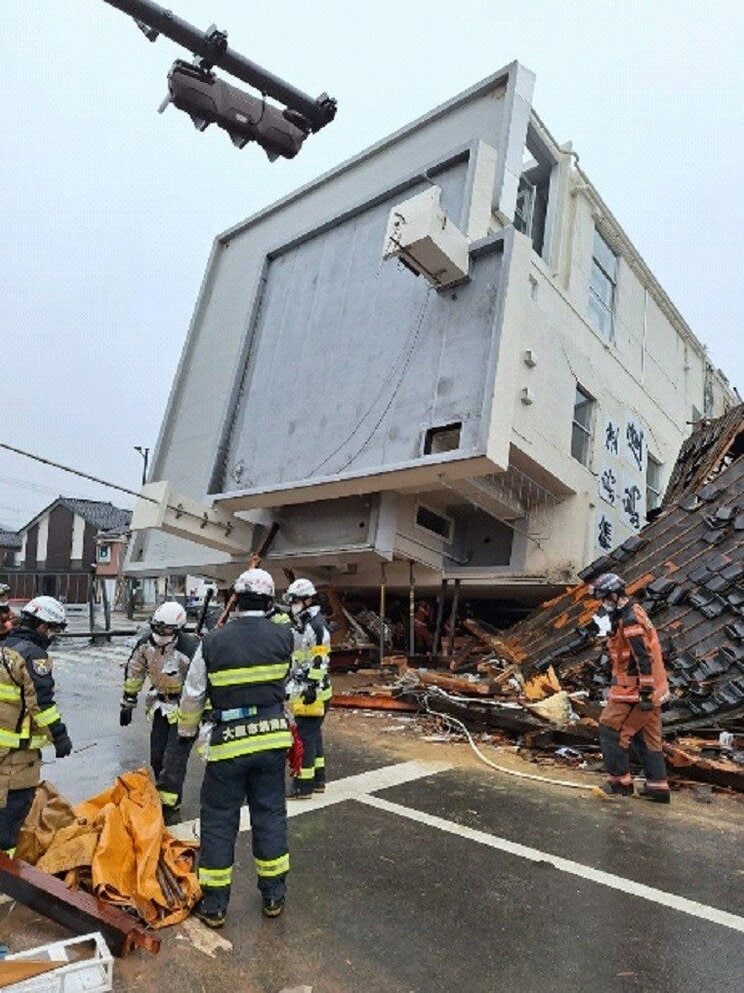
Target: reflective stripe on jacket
[313,657]
[635,654]
[243,665]
[23,722]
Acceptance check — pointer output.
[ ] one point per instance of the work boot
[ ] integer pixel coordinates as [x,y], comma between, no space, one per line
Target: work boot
[609,790]
[319,788]
[212,918]
[655,795]
[295,794]
[273,906]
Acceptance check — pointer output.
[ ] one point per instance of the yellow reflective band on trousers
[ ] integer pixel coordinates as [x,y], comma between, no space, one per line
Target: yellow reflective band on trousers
[47,717]
[251,674]
[307,773]
[322,650]
[272,867]
[320,763]
[133,686]
[249,745]
[168,799]
[215,877]
[10,852]
[10,693]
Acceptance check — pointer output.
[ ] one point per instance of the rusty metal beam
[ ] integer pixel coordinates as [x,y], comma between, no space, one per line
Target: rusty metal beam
[78,911]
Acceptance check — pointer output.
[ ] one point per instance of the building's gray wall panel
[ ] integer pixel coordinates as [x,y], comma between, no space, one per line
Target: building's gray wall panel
[348,342]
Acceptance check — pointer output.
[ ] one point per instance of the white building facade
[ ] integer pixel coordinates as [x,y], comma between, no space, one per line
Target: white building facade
[503,418]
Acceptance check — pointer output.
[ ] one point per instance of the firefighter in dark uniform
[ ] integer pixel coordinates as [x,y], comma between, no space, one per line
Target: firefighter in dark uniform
[313,693]
[29,717]
[163,656]
[242,668]
[639,688]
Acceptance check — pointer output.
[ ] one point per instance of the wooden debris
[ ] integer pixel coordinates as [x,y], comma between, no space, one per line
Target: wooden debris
[361,701]
[720,772]
[16,972]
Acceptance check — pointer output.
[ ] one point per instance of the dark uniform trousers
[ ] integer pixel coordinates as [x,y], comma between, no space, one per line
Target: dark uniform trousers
[169,756]
[13,815]
[228,784]
[312,772]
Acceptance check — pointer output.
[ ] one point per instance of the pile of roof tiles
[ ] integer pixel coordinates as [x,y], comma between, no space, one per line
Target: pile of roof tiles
[687,569]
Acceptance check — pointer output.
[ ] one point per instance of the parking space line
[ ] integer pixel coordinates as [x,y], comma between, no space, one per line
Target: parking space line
[348,788]
[692,907]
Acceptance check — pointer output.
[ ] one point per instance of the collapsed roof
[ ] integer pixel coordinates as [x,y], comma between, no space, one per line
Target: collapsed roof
[687,569]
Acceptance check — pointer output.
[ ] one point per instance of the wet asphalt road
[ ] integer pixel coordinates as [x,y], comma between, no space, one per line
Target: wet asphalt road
[381,903]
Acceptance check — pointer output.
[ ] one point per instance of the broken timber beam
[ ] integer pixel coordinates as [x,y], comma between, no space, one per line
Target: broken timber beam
[453,684]
[80,912]
[375,702]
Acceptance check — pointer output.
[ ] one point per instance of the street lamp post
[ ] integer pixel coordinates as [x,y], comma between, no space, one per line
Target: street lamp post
[145,453]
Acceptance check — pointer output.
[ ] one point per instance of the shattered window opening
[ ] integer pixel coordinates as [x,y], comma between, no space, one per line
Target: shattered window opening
[581,432]
[602,283]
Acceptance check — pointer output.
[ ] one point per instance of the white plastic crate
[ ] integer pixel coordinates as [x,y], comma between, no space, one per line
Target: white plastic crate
[89,975]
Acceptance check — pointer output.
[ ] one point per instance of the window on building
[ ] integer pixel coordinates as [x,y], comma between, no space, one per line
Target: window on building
[533,195]
[602,286]
[442,439]
[430,520]
[653,483]
[581,432]
[104,553]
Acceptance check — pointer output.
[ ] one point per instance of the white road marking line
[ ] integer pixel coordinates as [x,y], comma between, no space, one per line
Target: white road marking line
[336,792]
[692,907]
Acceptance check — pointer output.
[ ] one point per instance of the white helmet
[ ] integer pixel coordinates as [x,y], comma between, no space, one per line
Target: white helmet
[256,581]
[47,610]
[168,615]
[301,589]
[4,594]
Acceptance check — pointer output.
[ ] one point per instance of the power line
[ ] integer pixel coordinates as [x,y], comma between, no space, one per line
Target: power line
[178,509]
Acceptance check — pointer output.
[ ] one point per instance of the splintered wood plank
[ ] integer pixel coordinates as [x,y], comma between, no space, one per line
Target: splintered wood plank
[16,972]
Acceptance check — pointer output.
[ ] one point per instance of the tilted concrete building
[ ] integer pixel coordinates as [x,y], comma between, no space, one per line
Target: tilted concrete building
[503,417]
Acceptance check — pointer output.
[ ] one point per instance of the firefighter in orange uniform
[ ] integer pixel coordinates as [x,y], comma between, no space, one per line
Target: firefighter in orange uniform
[638,689]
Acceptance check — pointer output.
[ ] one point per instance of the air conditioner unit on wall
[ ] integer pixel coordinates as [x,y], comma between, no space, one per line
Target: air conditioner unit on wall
[420,234]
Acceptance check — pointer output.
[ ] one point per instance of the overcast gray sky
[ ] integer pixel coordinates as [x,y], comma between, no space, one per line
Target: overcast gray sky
[108,210]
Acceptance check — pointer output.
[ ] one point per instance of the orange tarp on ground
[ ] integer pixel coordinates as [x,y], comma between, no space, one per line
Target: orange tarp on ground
[115,845]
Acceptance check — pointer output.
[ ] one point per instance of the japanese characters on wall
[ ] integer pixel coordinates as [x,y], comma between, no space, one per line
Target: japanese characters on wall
[621,484]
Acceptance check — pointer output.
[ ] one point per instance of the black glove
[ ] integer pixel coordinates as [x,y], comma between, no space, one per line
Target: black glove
[310,695]
[647,700]
[62,743]
[125,716]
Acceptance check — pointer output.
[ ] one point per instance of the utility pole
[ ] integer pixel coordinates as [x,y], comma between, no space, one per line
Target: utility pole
[145,453]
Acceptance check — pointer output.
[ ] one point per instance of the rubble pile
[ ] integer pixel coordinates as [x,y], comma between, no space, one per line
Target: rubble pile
[543,680]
